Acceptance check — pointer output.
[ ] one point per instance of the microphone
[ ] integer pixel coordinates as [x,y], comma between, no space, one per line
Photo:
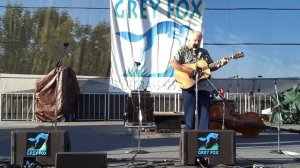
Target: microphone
[66,44]
[251,92]
[274,81]
[67,50]
[236,76]
[137,63]
[195,50]
[59,62]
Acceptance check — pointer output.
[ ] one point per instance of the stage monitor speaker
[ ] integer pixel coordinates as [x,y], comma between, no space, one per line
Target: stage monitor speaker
[132,108]
[168,121]
[81,160]
[216,145]
[38,145]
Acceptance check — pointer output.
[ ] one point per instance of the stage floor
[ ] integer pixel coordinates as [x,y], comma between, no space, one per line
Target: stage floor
[162,146]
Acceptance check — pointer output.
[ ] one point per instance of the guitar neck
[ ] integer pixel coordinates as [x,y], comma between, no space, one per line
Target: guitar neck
[185,81]
[214,64]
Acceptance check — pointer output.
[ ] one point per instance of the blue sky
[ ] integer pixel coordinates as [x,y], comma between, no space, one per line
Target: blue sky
[227,26]
[255,26]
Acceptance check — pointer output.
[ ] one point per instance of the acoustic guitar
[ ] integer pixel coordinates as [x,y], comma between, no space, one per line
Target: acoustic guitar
[185,81]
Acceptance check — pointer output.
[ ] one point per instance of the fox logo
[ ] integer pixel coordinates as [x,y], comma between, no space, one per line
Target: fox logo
[172,29]
[209,137]
[36,140]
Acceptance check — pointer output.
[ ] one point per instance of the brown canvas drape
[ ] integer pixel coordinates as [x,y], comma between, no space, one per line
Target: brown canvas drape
[67,95]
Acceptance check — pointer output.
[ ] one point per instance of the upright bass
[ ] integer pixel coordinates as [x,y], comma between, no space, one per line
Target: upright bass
[249,124]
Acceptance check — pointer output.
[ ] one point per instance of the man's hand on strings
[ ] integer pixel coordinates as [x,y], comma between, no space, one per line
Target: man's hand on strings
[191,72]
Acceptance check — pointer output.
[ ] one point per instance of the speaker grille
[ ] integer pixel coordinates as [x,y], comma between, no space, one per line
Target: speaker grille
[132,108]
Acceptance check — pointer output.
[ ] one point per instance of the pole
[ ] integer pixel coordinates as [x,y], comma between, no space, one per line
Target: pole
[138,151]
[58,71]
[279,120]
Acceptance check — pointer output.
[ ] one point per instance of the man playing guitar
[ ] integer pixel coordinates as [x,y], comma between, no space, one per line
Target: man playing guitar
[188,54]
[189,60]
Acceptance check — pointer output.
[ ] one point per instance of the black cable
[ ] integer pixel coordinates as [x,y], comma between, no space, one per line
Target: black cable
[111,160]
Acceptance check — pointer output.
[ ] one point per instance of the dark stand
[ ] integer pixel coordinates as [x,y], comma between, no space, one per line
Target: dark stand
[196,90]
[237,91]
[198,73]
[138,151]
[258,90]
[223,101]
[237,84]
[58,71]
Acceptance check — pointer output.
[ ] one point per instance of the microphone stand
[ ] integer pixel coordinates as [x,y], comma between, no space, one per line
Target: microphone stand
[223,101]
[140,112]
[58,71]
[138,151]
[230,84]
[279,120]
[197,72]
[237,84]
[237,92]
[196,105]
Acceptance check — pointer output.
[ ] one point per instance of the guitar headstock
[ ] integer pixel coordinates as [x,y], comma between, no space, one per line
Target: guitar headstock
[237,55]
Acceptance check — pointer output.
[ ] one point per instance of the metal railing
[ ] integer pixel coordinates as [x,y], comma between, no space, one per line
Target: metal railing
[111,106]
[250,103]
[17,106]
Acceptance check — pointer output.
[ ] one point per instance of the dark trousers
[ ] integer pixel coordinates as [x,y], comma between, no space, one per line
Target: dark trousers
[189,105]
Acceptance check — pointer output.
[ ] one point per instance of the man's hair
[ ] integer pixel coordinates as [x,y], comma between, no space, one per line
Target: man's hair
[191,34]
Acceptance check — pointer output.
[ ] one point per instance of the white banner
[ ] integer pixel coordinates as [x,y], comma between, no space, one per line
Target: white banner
[145,36]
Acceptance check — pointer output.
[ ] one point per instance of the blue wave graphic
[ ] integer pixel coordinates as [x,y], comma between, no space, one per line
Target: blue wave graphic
[172,29]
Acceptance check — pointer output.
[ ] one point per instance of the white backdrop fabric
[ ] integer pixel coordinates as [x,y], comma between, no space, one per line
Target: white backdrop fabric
[145,36]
